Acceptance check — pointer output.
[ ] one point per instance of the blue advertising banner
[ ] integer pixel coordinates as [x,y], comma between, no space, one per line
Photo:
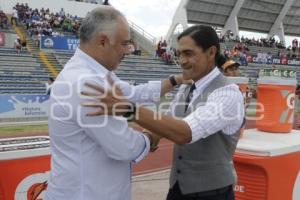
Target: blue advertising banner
[59,43]
[23,106]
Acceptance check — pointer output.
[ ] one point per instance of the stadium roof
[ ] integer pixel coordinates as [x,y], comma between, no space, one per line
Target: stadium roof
[264,16]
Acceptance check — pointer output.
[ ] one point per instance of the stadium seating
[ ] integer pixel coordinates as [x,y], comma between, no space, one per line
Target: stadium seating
[21,73]
[139,69]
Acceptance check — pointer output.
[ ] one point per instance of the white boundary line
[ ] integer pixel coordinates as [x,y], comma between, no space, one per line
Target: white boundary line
[151,173]
[4,124]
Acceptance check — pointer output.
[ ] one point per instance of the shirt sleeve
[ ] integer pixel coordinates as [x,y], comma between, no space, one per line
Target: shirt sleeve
[143,93]
[115,137]
[224,110]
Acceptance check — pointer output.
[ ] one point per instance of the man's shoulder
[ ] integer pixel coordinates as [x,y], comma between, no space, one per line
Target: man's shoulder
[230,90]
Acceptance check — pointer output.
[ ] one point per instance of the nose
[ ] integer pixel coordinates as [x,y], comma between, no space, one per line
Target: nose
[182,60]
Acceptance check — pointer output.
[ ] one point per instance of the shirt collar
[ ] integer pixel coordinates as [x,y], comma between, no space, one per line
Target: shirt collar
[205,81]
[92,63]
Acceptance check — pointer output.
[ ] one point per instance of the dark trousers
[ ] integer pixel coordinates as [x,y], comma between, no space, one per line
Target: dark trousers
[225,193]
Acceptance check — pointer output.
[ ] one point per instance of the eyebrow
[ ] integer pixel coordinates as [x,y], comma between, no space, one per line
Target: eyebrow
[184,51]
[126,41]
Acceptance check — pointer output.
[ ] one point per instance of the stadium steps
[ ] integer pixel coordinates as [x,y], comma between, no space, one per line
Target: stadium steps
[52,59]
[46,60]
[30,45]
[43,57]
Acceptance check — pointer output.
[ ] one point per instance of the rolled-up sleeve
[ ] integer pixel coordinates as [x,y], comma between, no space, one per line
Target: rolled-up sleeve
[224,110]
[145,152]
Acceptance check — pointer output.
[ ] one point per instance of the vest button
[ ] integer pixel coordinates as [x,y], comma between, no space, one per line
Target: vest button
[178,171]
[179,157]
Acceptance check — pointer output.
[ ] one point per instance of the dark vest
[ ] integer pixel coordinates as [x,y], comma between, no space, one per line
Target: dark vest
[206,164]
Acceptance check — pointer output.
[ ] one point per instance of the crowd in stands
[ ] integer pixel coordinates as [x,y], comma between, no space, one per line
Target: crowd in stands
[43,22]
[238,53]
[262,42]
[241,51]
[90,1]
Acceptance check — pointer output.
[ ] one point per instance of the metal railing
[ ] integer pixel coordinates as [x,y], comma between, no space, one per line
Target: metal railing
[140,30]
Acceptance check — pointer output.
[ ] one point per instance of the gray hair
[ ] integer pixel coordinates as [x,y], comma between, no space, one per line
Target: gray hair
[101,19]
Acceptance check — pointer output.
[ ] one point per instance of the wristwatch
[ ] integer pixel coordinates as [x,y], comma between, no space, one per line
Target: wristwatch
[173,80]
[131,111]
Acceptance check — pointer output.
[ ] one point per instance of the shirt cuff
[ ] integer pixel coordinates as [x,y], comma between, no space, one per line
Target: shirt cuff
[155,90]
[146,150]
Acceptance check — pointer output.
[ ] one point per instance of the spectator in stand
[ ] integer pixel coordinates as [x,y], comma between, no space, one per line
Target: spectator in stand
[264,58]
[294,45]
[168,56]
[14,17]
[158,49]
[228,67]
[62,12]
[163,47]
[3,20]
[235,52]
[137,51]
[48,85]
[17,44]
[259,57]
[226,53]
[243,59]
[131,47]
[269,58]
[23,44]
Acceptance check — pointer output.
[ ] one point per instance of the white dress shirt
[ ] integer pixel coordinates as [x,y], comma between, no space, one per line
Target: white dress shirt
[92,156]
[224,109]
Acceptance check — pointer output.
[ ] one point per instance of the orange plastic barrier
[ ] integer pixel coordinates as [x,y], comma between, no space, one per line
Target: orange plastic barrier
[268,166]
[275,104]
[24,168]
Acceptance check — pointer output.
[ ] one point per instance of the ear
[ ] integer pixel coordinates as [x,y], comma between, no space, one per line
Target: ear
[212,52]
[102,39]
